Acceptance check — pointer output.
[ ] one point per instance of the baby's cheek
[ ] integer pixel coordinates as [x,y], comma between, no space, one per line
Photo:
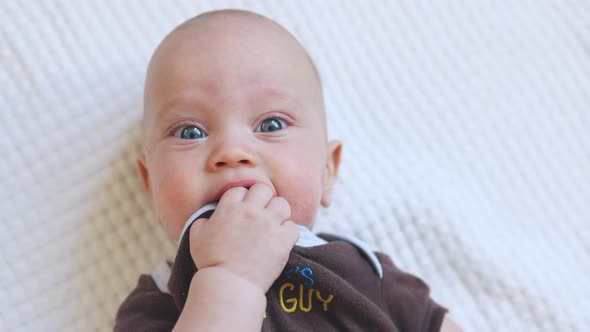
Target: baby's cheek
[303,194]
[172,201]
[303,212]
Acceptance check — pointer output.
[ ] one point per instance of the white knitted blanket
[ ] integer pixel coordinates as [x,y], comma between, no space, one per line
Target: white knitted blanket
[466,130]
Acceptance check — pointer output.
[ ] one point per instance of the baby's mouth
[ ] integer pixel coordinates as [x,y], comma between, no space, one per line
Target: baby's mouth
[241,183]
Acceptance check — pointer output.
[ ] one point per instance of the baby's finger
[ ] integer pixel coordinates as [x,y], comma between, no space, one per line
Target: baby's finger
[259,194]
[197,226]
[289,233]
[280,208]
[235,194]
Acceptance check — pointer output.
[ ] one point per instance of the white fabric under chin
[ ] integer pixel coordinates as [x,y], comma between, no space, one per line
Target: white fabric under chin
[161,274]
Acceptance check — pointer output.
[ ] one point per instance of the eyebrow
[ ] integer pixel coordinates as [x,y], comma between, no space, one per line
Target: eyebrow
[280,95]
[182,101]
[193,101]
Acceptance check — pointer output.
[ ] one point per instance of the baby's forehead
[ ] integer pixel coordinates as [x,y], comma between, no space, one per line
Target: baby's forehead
[213,35]
[228,21]
[215,26]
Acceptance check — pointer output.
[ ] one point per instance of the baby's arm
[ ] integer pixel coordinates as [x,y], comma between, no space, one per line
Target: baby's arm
[220,301]
[239,252]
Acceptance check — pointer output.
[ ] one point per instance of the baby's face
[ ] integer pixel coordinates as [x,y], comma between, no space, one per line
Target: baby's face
[232,102]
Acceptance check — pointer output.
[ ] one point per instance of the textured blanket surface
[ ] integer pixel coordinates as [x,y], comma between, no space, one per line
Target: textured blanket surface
[466,131]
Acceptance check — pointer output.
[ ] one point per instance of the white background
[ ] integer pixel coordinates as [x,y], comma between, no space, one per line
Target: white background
[466,130]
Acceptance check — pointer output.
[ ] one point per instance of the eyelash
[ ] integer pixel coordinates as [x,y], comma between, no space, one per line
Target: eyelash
[182,124]
[280,117]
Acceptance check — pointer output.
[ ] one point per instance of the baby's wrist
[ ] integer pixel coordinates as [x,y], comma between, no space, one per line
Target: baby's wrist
[231,279]
[212,291]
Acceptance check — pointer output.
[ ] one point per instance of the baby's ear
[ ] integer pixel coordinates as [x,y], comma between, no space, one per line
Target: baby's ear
[332,164]
[144,172]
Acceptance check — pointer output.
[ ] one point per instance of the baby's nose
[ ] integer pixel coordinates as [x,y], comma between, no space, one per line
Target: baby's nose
[233,163]
[232,153]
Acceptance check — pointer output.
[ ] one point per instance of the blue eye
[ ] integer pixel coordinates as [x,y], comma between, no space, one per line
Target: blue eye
[270,125]
[190,133]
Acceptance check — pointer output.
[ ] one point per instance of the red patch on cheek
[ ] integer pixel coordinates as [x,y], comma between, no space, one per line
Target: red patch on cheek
[173,199]
[304,213]
[304,199]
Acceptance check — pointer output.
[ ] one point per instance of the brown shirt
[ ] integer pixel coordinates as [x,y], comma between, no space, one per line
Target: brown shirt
[329,287]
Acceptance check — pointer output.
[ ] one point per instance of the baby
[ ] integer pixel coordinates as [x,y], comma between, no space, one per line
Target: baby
[235,130]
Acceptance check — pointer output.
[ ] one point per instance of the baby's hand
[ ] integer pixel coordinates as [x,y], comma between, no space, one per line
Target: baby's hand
[249,234]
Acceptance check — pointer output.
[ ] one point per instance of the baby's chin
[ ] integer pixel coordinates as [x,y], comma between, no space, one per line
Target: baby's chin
[173,231]
[308,224]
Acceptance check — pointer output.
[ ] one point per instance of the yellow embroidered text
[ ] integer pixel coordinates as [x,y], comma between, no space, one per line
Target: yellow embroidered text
[290,301]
